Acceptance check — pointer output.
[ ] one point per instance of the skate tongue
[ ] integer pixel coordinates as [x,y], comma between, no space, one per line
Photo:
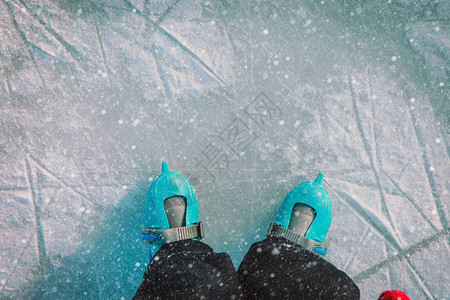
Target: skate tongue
[301,218]
[175,209]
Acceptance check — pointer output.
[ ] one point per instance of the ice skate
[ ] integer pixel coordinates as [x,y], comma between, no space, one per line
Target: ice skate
[304,217]
[171,211]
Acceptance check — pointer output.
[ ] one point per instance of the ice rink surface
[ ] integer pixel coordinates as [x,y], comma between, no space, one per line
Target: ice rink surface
[247,99]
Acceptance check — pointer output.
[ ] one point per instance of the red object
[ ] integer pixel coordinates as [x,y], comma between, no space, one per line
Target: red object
[393,295]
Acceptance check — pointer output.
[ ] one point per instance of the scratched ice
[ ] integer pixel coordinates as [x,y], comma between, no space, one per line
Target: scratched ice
[247,100]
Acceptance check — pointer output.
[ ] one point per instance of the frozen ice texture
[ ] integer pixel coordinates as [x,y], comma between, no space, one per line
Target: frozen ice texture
[247,100]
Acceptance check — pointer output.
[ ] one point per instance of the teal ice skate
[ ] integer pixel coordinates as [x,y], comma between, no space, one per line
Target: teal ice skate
[171,211]
[304,217]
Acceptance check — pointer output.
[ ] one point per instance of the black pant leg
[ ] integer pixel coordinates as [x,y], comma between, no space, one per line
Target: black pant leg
[276,268]
[189,270]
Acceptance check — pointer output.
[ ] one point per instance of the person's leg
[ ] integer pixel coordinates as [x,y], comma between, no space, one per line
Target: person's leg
[181,266]
[288,263]
[277,268]
[189,270]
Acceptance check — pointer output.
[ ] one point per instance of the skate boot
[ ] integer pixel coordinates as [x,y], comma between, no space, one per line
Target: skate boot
[304,217]
[171,211]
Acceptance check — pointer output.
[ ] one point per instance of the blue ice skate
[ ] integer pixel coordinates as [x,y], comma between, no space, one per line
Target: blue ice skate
[171,211]
[304,217]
